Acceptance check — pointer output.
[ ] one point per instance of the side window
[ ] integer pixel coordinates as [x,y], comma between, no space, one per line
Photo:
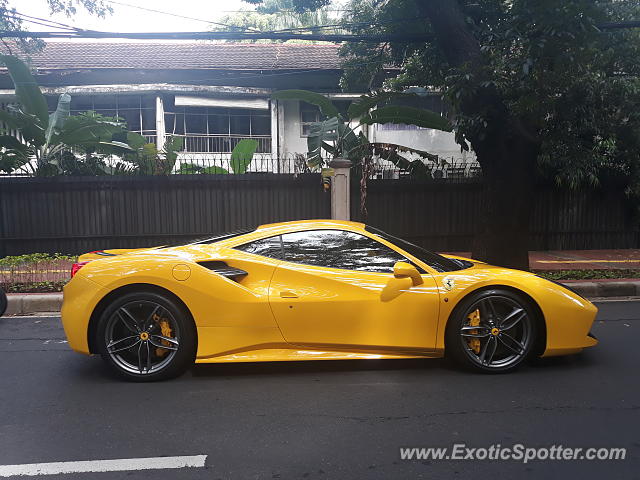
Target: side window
[267,247]
[339,249]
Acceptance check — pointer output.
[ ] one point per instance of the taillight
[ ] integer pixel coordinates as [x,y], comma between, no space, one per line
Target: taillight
[77,266]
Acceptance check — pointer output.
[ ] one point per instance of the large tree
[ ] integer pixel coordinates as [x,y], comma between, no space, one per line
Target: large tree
[532,85]
[280,14]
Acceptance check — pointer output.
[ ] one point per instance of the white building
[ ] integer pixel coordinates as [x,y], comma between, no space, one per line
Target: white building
[211,94]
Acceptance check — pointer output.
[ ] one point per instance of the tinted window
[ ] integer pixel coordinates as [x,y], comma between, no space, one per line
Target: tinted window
[435,261]
[339,249]
[267,247]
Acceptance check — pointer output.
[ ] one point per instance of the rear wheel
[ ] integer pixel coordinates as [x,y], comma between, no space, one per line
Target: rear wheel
[3,302]
[492,331]
[145,336]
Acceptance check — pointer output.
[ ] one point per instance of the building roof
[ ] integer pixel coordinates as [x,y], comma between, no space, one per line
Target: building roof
[192,55]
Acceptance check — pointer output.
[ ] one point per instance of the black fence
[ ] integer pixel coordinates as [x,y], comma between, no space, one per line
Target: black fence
[445,215]
[69,214]
[80,214]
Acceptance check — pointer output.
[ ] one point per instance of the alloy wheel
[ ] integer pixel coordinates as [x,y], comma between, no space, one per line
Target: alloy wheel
[142,337]
[496,332]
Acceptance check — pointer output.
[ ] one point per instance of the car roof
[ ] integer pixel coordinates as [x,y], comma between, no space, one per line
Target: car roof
[314,223]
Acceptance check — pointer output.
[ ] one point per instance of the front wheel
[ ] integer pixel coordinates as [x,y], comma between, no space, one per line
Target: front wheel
[145,336]
[492,331]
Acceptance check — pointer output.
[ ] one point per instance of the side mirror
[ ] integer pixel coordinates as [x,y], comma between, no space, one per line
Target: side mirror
[404,270]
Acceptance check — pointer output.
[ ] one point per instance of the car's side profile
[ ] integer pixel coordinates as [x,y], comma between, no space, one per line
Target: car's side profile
[317,289]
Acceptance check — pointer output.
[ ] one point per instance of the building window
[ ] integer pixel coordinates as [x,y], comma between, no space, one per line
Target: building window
[138,111]
[215,129]
[309,114]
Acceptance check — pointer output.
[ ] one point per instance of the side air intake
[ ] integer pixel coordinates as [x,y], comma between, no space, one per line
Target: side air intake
[221,268]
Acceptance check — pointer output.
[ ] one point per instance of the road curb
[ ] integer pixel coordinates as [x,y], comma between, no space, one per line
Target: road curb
[605,288]
[30,303]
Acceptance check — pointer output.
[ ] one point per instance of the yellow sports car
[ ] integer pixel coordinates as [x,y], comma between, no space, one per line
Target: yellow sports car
[312,290]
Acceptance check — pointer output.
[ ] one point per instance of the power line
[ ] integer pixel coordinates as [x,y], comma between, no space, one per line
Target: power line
[336,38]
[25,16]
[247,75]
[177,15]
[39,21]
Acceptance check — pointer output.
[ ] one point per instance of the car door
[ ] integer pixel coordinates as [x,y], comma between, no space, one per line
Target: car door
[337,288]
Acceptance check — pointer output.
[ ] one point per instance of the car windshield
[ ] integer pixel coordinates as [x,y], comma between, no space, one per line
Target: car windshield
[434,260]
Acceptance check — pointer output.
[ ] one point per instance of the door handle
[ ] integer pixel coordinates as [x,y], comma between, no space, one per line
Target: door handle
[287,294]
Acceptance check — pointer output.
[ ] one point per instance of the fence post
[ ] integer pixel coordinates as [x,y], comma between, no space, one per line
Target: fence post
[340,189]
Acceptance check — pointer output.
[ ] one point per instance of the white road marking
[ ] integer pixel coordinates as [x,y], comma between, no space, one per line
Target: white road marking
[118,465]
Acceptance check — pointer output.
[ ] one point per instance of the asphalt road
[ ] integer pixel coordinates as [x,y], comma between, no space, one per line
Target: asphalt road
[321,420]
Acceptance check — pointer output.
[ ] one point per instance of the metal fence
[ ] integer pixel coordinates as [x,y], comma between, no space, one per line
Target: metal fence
[207,163]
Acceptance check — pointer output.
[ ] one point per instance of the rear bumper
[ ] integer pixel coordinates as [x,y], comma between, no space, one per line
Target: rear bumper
[79,299]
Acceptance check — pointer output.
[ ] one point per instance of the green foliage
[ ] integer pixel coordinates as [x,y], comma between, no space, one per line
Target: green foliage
[32,259]
[336,136]
[34,287]
[587,274]
[27,90]
[46,141]
[542,71]
[407,115]
[326,106]
[241,158]
[299,6]
[9,22]
[146,159]
[242,155]
[35,272]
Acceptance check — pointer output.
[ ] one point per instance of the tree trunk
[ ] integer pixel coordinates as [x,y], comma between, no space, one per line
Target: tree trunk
[506,149]
[508,167]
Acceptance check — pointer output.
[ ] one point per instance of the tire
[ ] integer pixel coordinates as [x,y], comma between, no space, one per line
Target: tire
[504,336]
[3,302]
[146,337]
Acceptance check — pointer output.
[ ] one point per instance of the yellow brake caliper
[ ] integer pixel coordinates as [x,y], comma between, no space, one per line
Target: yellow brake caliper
[166,332]
[474,321]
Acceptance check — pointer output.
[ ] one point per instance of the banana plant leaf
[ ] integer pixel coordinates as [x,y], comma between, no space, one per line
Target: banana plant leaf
[27,91]
[28,125]
[58,118]
[242,155]
[320,133]
[326,106]
[407,115]
[365,103]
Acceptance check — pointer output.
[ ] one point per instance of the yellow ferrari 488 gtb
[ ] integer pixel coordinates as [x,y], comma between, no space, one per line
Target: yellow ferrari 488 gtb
[311,290]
